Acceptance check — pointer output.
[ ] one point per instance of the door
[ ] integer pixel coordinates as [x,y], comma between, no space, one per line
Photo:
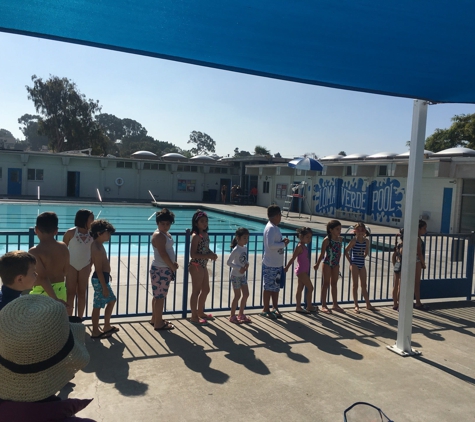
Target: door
[14,181]
[446,210]
[73,184]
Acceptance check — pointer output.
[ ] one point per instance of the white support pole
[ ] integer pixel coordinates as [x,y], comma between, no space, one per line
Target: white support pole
[411,220]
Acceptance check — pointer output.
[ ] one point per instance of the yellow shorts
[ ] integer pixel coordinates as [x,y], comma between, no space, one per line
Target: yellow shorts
[58,288]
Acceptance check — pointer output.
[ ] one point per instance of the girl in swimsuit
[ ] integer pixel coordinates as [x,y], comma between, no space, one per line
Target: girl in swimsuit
[200,254]
[79,242]
[331,250]
[420,265]
[356,252]
[302,269]
[397,259]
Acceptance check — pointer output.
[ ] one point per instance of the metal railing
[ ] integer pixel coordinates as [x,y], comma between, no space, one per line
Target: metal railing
[449,272]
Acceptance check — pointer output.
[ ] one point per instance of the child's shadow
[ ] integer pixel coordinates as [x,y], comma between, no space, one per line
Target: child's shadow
[111,367]
[275,344]
[238,353]
[195,358]
[323,342]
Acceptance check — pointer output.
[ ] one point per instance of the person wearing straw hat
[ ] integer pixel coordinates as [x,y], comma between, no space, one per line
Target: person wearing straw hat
[40,351]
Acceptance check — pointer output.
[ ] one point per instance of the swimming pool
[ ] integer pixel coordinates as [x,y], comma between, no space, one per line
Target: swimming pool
[129,220]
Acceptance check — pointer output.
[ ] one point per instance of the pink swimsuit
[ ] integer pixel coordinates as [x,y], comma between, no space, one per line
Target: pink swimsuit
[303,263]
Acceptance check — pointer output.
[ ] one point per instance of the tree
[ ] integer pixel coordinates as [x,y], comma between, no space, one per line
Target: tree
[342,153]
[66,116]
[204,143]
[30,128]
[260,150]
[6,134]
[277,155]
[238,153]
[460,134]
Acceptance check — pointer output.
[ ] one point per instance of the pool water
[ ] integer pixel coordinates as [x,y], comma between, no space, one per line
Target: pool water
[129,219]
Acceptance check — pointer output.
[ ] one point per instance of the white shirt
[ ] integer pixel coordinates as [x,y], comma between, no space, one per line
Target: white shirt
[237,260]
[157,259]
[273,246]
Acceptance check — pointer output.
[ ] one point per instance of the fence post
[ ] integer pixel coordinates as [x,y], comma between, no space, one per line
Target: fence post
[470,258]
[185,274]
[31,237]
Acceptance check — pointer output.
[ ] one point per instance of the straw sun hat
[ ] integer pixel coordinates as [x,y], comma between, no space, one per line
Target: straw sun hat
[40,351]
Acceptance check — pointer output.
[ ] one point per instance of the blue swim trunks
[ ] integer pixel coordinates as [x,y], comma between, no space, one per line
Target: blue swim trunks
[99,300]
[273,277]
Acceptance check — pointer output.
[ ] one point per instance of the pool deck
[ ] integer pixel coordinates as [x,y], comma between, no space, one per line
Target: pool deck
[300,368]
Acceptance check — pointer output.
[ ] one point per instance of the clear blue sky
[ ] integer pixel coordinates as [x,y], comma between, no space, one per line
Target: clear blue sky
[172,99]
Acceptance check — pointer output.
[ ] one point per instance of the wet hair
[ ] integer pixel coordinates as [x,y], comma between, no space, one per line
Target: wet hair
[194,221]
[47,222]
[13,264]
[164,215]
[303,231]
[272,211]
[81,218]
[422,224]
[361,224]
[100,226]
[241,231]
[331,225]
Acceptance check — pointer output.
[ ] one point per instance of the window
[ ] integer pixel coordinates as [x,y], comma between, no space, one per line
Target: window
[187,168]
[35,174]
[185,185]
[217,170]
[265,187]
[150,166]
[0,172]
[124,164]
[382,170]
[280,190]
[348,171]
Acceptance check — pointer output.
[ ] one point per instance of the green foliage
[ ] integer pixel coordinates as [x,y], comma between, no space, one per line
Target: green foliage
[66,116]
[342,153]
[30,128]
[260,150]
[238,153]
[204,144]
[460,134]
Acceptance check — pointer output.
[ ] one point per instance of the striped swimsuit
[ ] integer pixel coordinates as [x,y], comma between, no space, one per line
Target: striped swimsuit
[357,254]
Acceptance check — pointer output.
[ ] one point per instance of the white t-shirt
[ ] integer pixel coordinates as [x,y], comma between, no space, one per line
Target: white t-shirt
[237,260]
[157,259]
[273,246]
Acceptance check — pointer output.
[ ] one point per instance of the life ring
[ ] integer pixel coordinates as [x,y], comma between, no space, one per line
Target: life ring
[119,181]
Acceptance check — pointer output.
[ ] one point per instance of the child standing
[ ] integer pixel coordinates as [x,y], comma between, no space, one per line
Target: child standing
[18,273]
[79,242]
[331,249]
[101,231]
[200,254]
[273,262]
[162,270]
[397,263]
[420,265]
[52,259]
[301,270]
[356,252]
[239,265]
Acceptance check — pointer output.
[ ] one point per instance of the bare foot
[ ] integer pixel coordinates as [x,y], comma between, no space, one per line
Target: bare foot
[325,310]
[338,309]
[372,308]
[357,310]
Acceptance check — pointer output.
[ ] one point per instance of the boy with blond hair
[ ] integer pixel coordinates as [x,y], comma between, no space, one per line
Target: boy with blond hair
[18,273]
[52,259]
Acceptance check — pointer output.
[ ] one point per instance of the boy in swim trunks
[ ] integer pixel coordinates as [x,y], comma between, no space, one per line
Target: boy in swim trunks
[273,262]
[101,231]
[52,259]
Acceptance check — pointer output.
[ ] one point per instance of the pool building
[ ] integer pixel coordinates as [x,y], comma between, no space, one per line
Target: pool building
[354,187]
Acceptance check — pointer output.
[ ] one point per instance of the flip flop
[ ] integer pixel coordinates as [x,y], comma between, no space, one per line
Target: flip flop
[421,307]
[208,317]
[102,336]
[112,330]
[303,311]
[199,323]
[326,310]
[165,326]
[341,310]
[269,315]
[277,314]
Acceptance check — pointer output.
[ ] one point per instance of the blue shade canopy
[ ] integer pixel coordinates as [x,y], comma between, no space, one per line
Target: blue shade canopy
[410,48]
[305,163]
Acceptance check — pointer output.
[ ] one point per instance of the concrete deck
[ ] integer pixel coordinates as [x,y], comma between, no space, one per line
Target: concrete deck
[297,369]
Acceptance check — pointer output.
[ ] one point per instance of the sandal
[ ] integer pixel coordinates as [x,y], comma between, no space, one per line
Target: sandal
[277,313]
[207,317]
[302,311]
[326,310]
[234,319]
[269,315]
[201,322]
[244,319]
[166,326]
